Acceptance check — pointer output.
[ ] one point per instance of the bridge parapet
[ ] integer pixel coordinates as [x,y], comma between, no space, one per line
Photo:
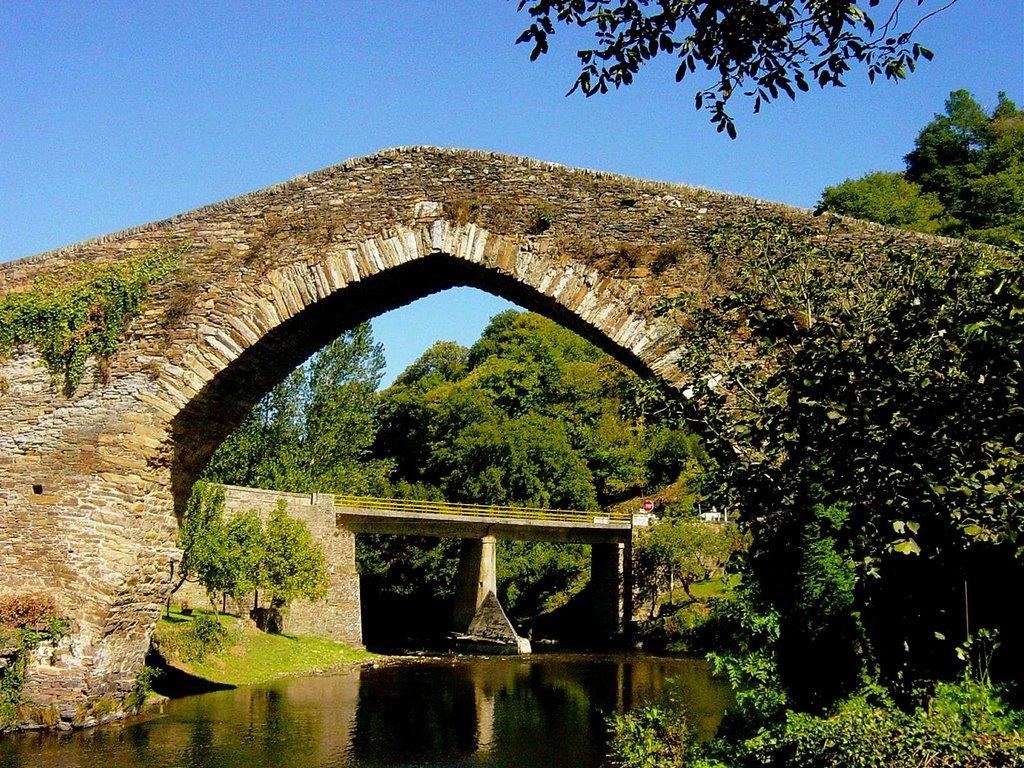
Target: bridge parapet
[473,521]
[576,516]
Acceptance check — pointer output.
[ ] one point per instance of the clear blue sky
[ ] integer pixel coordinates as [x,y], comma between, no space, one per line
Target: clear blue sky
[118,113]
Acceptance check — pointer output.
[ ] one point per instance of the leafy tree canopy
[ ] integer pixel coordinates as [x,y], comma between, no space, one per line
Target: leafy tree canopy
[875,452]
[683,550]
[242,554]
[313,431]
[444,361]
[964,177]
[531,414]
[887,198]
[973,161]
[757,49]
[293,565]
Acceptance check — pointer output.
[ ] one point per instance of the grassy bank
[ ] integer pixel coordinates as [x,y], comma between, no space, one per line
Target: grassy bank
[227,650]
[680,614]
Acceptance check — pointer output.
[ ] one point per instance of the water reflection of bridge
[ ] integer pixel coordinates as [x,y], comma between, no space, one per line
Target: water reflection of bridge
[462,711]
[544,710]
[336,519]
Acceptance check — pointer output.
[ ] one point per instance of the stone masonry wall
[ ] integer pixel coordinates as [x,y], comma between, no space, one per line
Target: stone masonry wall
[91,483]
[337,616]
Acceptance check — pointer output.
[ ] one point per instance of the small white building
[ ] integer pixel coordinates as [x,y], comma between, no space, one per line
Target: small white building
[714,516]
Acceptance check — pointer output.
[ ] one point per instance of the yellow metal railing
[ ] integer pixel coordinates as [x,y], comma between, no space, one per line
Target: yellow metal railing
[482,510]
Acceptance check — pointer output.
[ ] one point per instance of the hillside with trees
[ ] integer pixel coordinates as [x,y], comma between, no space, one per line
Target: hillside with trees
[530,415]
[964,178]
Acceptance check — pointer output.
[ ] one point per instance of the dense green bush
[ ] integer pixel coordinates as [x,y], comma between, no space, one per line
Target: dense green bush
[962,725]
[142,688]
[650,737]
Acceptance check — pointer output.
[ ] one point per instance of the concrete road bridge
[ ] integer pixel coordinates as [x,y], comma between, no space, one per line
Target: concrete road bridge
[335,520]
[95,469]
[467,521]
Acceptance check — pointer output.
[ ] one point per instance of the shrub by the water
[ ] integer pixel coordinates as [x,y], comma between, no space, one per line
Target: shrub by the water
[650,737]
[143,687]
[964,725]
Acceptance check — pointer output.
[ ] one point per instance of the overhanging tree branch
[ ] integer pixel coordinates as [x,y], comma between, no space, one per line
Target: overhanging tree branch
[766,46]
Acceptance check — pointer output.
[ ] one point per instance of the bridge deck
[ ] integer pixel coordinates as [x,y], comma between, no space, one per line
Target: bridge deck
[432,518]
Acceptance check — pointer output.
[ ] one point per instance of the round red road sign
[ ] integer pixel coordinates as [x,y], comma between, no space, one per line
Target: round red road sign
[648,505]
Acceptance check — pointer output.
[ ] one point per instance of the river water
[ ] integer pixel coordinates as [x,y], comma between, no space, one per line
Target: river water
[541,711]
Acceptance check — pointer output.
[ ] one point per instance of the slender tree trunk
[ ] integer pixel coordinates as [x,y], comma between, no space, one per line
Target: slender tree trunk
[686,589]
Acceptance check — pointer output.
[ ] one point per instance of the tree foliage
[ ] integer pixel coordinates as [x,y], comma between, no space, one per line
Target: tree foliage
[875,448]
[758,49]
[313,431]
[973,161]
[887,198]
[964,177]
[293,565]
[680,551]
[535,577]
[243,554]
[532,414]
[200,532]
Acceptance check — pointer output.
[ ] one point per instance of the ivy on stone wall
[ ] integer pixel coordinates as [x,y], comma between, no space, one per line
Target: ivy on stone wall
[81,312]
[26,621]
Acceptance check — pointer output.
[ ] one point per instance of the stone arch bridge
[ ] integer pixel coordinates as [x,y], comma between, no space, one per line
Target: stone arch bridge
[90,482]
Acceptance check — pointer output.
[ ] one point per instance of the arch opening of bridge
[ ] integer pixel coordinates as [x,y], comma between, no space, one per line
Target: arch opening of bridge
[220,406]
[92,482]
[223,402]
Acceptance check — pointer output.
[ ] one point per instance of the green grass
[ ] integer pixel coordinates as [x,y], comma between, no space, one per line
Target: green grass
[679,615]
[721,586]
[251,656]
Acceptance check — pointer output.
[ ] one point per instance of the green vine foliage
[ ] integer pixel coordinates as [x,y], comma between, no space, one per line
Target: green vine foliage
[11,683]
[46,629]
[71,319]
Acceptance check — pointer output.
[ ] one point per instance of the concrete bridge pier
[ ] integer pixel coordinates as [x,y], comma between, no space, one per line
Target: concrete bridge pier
[611,589]
[476,577]
[478,617]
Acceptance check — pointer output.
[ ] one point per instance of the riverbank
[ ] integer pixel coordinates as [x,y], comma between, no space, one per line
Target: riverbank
[671,626]
[226,650]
